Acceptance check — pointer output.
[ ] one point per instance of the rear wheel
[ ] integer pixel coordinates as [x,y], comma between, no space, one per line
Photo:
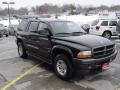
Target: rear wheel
[21,50]
[63,67]
[107,35]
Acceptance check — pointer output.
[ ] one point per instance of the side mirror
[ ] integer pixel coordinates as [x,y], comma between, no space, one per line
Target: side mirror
[86,27]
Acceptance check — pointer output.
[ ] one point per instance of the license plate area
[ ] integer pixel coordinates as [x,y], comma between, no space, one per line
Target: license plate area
[105,66]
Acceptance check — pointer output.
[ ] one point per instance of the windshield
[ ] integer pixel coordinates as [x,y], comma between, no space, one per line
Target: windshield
[65,27]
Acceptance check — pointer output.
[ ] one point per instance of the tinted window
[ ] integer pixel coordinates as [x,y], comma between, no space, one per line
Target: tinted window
[113,23]
[43,28]
[65,27]
[104,23]
[33,26]
[22,26]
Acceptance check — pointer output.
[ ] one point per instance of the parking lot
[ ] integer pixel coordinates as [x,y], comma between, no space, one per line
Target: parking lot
[31,74]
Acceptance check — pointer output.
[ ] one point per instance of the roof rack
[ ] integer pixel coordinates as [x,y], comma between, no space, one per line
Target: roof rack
[27,17]
[106,19]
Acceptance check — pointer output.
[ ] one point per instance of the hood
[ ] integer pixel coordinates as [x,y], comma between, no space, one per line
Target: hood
[91,41]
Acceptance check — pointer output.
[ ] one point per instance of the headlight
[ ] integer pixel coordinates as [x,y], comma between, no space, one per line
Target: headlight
[84,55]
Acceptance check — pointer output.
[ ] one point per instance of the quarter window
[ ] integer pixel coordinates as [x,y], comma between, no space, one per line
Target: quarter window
[104,23]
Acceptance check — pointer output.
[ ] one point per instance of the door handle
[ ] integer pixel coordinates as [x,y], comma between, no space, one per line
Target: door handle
[110,27]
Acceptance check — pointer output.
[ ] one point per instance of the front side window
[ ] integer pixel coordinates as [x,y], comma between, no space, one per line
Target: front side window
[33,27]
[104,23]
[43,28]
[113,23]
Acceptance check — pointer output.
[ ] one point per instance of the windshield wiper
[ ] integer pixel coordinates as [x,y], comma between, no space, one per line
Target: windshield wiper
[77,33]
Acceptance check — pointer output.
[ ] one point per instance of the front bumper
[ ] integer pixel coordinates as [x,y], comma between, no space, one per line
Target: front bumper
[92,65]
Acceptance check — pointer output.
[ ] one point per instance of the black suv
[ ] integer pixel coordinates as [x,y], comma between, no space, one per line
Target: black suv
[64,45]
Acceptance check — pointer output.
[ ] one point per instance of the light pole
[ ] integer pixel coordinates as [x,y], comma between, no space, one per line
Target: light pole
[8,3]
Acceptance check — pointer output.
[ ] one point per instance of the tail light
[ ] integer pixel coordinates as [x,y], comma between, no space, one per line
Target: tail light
[97,27]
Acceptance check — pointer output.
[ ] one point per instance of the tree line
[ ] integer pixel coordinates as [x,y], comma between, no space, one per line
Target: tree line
[55,9]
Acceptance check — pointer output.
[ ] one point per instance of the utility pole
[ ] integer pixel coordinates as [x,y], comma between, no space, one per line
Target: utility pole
[8,3]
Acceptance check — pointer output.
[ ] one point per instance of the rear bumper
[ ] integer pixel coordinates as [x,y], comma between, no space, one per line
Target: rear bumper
[92,65]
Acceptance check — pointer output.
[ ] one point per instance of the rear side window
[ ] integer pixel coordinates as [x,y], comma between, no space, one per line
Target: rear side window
[94,23]
[22,26]
[113,23]
[104,23]
[33,27]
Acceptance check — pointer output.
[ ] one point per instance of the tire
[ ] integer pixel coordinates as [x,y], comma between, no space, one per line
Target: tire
[62,62]
[21,50]
[107,35]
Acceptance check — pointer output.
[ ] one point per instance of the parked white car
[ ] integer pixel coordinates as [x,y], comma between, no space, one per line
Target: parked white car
[104,27]
[3,30]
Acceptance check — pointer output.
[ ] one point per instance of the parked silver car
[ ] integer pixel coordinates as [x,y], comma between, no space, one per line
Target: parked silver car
[3,30]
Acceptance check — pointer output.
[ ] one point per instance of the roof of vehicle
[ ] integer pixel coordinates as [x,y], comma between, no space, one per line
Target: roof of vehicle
[45,19]
[106,19]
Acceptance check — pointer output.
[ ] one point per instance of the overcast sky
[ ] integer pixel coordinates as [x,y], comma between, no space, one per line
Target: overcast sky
[29,3]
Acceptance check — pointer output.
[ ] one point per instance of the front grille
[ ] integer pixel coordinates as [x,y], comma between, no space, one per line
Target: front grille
[103,51]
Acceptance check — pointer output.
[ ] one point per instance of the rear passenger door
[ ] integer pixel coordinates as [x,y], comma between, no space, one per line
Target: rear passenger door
[33,37]
[22,31]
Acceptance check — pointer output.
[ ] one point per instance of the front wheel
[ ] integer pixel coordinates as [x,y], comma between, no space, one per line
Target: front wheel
[107,35]
[21,50]
[63,67]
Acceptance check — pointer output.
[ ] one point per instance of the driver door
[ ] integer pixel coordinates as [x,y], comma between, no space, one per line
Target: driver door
[44,40]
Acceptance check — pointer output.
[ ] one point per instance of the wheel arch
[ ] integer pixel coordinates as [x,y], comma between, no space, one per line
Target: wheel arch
[19,40]
[107,31]
[61,50]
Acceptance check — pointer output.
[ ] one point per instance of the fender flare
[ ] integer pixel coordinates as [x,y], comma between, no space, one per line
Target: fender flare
[66,49]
